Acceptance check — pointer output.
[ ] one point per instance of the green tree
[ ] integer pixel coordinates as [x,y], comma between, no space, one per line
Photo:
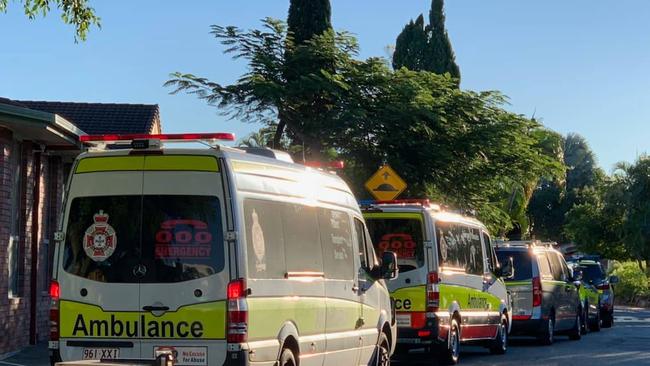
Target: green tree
[553,199]
[427,48]
[441,55]
[75,12]
[636,226]
[458,146]
[411,46]
[307,19]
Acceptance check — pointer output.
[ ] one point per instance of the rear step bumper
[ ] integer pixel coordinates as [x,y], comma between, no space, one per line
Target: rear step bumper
[530,327]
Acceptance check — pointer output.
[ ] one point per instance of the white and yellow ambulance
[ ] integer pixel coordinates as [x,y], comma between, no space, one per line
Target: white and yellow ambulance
[451,289]
[223,257]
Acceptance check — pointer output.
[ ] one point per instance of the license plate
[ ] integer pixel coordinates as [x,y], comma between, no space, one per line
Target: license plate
[101,353]
[403,320]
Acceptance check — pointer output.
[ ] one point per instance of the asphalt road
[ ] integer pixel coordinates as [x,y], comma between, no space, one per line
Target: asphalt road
[627,343]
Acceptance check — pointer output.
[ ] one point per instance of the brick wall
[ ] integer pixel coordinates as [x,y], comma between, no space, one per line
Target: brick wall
[15,312]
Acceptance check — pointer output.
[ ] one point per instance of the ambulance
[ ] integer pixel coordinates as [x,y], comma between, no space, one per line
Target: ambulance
[217,255]
[451,289]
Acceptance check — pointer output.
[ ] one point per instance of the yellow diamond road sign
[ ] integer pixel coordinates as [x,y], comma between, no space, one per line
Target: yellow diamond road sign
[385,184]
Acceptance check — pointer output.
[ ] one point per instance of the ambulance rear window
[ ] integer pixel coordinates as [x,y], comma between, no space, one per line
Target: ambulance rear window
[404,236]
[144,239]
[522,261]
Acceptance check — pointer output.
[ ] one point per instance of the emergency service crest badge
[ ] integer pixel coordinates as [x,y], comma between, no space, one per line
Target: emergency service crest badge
[100,239]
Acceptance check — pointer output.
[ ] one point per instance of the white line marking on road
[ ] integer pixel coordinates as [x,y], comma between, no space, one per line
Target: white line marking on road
[630,319]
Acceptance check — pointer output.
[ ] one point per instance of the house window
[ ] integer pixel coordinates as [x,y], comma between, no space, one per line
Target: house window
[15,254]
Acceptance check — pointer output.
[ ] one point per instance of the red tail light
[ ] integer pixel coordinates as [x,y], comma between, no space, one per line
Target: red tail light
[537,292]
[237,331]
[433,292]
[55,293]
[604,286]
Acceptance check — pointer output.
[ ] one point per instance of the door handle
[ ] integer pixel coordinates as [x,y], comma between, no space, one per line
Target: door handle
[355,288]
[155,308]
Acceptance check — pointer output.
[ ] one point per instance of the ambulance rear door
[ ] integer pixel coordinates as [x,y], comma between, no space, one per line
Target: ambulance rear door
[98,262]
[184,253]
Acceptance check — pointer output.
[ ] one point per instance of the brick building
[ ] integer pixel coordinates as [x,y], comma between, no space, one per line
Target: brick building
[38,142]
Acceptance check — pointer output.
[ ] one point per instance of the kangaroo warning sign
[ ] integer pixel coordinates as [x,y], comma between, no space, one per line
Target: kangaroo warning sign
[385,184]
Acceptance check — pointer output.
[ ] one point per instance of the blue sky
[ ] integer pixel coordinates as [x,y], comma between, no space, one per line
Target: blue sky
[581,66]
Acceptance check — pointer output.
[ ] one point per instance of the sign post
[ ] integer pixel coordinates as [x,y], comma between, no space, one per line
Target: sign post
[385,184]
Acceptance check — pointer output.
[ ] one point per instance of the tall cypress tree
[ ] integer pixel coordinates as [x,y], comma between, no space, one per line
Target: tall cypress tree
[440,58]
[411,46]
[427,48]
[306,20]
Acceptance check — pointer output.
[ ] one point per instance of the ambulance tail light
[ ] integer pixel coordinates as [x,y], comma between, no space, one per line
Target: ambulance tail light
[537,292]
[55,293]
[433,293]
[237,331]
[604,286]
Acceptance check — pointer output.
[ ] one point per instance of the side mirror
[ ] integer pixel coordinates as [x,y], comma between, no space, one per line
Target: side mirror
[614,280]
[389,269]
[577,275]
[507,269]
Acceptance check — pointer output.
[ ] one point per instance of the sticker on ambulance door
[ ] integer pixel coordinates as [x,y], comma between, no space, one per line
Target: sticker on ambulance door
[259,246]
[100,239]
[186,356]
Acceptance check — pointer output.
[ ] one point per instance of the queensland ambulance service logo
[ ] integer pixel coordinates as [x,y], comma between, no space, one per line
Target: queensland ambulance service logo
[100,239]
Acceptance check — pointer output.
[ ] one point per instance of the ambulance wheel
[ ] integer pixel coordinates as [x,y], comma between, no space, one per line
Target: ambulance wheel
[585,321]
[500,343]
[451,354]
[287,358]
[382,353]
[546,336]
[575,333]
[595,325]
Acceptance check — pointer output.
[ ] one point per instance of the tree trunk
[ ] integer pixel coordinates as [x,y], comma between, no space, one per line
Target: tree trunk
[640,264]
[279,131]
[647,266]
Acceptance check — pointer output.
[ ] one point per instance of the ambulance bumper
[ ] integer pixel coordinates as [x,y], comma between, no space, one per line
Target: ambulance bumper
[528,327]
[236,358]
[431,334]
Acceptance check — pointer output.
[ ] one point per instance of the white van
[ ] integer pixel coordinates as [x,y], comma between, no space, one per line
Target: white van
[451,289]
[221,256]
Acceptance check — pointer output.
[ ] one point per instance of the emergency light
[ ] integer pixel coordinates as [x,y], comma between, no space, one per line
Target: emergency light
[223,136]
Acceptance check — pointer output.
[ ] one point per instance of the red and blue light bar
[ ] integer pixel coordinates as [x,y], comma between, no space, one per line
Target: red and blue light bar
[223,136]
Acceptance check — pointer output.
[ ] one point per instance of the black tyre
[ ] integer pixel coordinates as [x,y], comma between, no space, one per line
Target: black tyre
[451,354]
[382,353]
[594,326]
[575,333]
[608,320]
[585,321]
[287,358]
[546,337]
[500,344]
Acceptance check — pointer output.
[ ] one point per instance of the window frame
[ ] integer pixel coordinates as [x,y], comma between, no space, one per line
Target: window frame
[14,250]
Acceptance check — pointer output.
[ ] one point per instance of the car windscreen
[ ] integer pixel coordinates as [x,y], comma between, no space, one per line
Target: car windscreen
[402,235]
[144,239]
[592,273]
[522,261]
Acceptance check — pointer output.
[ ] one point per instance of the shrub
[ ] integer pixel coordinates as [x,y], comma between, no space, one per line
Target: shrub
[633,281]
